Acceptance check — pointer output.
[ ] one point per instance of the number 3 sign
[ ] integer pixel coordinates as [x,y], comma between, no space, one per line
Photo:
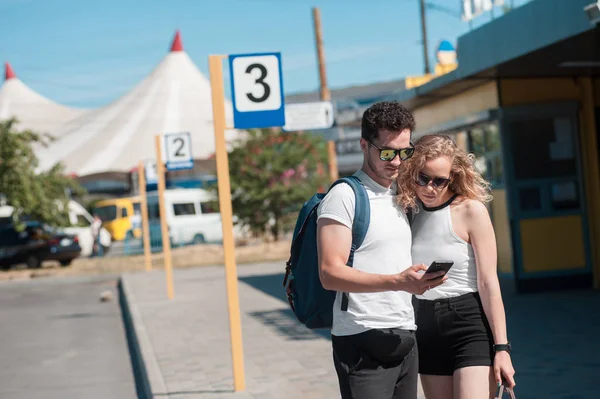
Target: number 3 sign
[257,90]
[178,151]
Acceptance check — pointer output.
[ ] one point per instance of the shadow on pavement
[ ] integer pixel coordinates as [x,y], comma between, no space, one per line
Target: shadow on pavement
[555,336]
[283,320]
[555,340]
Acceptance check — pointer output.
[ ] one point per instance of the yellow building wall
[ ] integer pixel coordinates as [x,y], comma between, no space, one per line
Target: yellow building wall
[552,243]
[591,173]
[587,92]
[532,91]
[499,213]
[472,101]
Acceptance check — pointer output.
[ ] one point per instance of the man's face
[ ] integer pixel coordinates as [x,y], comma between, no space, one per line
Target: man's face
[395,140]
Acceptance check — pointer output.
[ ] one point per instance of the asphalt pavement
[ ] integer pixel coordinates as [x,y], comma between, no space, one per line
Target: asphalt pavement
[58,340]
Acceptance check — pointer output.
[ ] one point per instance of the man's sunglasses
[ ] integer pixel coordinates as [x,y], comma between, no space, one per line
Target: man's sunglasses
[438,182]
[388,154]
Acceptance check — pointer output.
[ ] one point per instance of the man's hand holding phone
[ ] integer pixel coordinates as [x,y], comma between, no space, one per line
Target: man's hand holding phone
[413,281]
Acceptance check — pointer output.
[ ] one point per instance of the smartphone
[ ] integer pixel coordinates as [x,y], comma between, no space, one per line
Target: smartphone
[438,265]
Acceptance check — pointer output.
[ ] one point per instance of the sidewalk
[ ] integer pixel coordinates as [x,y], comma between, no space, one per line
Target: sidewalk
[186,349]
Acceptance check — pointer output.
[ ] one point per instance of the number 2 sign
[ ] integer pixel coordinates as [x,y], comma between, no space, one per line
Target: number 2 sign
[257,90]
[178,151]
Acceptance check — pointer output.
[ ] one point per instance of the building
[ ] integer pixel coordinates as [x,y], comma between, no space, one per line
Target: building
[525,99]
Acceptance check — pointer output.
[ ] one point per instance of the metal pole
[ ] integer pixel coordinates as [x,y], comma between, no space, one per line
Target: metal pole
[424,35]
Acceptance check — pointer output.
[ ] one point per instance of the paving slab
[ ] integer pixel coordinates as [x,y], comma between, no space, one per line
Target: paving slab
[186,351]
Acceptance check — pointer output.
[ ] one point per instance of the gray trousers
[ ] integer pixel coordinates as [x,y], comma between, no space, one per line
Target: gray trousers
[377,364]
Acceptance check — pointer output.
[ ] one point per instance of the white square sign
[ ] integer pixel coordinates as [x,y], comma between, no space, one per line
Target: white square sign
[257,83]
[178,151]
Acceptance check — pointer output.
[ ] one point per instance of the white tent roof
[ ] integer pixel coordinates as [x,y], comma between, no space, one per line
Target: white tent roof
[32,110]
[175,97]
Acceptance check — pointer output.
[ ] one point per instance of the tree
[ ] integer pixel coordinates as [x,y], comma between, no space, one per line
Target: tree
[41,196]
[272,174]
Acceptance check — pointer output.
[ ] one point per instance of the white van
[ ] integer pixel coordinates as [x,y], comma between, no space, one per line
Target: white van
[190,217]
[81,221]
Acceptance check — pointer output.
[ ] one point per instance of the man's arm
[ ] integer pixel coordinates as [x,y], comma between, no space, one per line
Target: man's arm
[334,241]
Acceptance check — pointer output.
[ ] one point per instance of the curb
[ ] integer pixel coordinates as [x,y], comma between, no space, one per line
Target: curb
[147,374]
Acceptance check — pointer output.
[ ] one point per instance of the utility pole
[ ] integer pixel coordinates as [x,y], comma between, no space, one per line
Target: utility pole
[325,95]
[324,90]
[424,34]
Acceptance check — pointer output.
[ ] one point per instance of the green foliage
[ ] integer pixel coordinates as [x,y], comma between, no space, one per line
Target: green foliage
[272,175]
[42,195]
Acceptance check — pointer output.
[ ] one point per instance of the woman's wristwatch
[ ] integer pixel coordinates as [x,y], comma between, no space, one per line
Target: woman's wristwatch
[502,347]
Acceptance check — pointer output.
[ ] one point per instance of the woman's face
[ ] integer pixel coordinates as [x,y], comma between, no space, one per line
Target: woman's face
[433,181]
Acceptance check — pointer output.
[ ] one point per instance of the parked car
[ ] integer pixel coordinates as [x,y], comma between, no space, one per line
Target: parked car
[80,221]
[35,244]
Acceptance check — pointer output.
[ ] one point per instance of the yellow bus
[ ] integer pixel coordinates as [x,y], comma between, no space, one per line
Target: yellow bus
[120,216]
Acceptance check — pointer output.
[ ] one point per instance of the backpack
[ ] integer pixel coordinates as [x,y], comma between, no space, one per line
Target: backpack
[311,303]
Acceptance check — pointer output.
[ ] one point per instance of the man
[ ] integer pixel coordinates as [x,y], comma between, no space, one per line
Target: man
[96,227]
[374,346]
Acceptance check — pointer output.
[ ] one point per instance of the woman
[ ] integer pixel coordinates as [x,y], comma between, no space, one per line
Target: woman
[461,330]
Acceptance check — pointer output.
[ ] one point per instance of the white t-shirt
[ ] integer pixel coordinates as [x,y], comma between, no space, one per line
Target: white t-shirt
[385,250]
[96,226]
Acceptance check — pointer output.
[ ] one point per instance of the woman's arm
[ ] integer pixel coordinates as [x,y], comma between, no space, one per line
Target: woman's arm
[483,240]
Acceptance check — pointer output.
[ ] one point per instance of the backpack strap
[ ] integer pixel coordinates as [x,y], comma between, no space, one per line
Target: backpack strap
[360,225]
[362,214]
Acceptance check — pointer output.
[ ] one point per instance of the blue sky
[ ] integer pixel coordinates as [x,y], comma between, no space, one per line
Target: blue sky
[88,53]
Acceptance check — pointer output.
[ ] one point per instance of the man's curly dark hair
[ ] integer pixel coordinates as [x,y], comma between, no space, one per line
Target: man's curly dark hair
[388,115]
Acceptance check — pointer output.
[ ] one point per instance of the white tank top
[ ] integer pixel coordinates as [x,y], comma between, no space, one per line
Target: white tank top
[433,238]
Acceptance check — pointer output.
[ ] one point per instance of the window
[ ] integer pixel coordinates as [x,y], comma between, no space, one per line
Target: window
[543,148]
[208,207]
[8,236]
[106,213]
[137,207]
[184,209]
[123,212]
[4,220]
[153,212]
[484,143]
[82,221]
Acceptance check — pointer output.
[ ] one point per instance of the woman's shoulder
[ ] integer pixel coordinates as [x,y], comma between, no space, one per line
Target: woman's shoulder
[469,207]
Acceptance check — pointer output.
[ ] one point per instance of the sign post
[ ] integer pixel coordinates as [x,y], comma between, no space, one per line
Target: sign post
[166,242]
[332,157]
[257,94]
[144,210]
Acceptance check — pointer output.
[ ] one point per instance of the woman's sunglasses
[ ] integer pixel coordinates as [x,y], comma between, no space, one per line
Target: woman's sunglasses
[388,154]
[438,182]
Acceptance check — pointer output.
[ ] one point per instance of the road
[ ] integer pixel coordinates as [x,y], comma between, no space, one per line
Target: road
[60,341]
